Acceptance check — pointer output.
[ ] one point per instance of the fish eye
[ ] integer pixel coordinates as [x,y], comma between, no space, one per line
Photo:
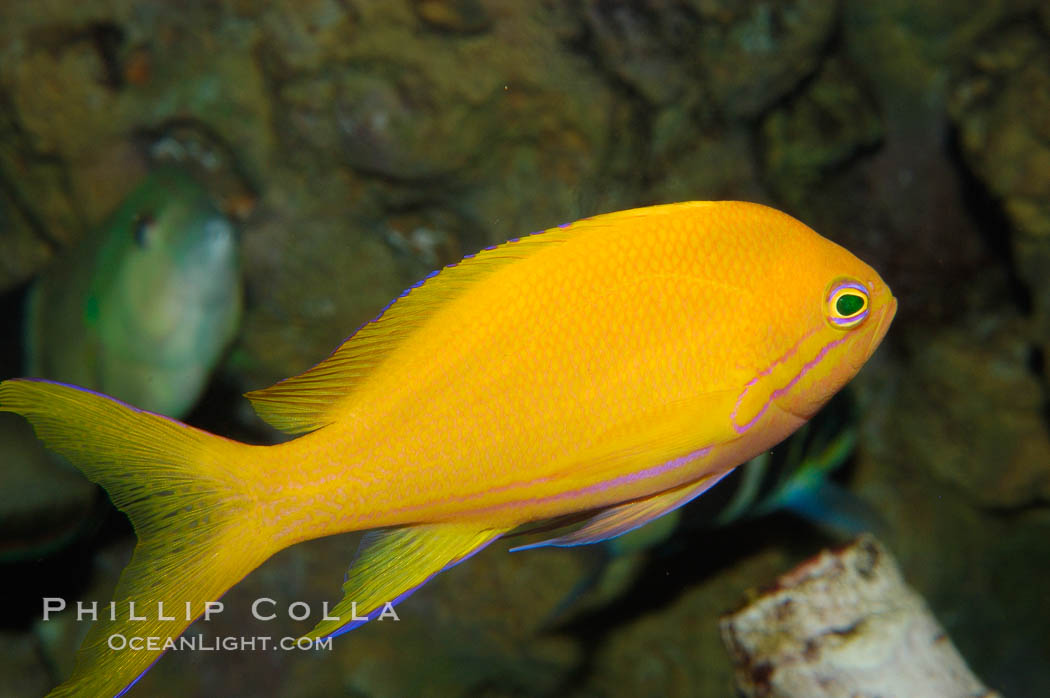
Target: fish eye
[141,227]
[847,304]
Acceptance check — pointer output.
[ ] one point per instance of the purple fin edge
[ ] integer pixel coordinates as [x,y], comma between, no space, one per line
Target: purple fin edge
[568,541]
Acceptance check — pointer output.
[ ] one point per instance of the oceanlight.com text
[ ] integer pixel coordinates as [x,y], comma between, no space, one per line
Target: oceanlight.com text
[229,643]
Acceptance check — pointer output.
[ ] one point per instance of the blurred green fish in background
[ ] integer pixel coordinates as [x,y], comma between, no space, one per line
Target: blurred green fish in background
[144,306]
[141,308]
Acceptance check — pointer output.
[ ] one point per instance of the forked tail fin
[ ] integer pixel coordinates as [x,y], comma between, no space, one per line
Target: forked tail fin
[188,495]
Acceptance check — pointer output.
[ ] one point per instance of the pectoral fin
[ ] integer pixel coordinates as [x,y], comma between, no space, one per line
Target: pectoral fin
[622,518]
[673,432]
[392,563]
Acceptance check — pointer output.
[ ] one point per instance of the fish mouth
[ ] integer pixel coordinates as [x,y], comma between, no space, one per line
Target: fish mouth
[885,319]
[802,408]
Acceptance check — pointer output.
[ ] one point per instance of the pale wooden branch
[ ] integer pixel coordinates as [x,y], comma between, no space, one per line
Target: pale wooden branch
[845,624]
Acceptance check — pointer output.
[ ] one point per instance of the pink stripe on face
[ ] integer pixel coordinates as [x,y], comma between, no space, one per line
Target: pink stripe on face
[740,429]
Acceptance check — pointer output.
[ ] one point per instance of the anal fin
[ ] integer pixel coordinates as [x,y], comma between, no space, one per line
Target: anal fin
[391,564]
[623,518]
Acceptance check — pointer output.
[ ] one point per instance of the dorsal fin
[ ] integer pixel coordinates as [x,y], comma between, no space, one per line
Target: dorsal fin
[303,403]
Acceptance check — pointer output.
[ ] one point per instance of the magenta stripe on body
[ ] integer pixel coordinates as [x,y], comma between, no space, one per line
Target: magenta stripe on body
[590,489]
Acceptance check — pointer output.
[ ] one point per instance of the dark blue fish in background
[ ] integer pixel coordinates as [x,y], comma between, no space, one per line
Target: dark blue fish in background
[797,478]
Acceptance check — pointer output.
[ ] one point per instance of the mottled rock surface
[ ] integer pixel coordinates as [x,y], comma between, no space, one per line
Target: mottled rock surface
[841,624]
[1000,105]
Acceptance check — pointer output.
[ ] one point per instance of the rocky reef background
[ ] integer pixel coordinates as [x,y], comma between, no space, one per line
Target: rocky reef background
[363,143]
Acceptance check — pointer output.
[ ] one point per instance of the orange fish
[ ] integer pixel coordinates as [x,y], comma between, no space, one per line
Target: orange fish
[599,374]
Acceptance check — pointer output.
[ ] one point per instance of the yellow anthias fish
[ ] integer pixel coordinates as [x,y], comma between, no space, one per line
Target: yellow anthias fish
[609,370]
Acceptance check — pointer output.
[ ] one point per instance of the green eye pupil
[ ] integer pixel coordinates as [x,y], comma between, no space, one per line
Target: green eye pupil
[849,304]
